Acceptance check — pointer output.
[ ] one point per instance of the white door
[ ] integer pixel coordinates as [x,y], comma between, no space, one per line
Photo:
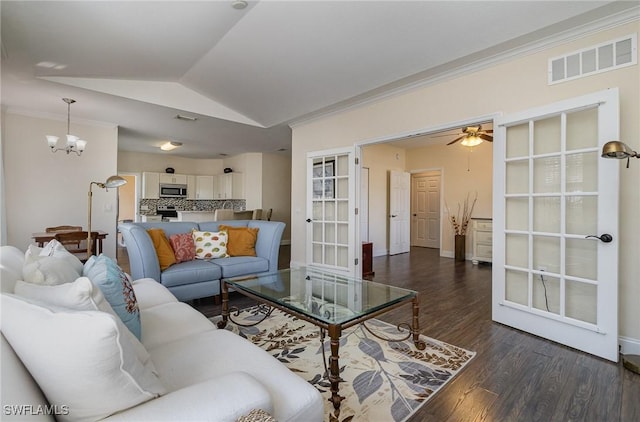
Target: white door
[399,211]
[331,195]
[552,192]
[425,210]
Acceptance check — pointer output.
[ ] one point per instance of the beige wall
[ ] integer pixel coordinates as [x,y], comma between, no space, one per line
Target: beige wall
[511,86]
[45,189]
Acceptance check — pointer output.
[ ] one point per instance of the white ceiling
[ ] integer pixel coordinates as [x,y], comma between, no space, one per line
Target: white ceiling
[247,74]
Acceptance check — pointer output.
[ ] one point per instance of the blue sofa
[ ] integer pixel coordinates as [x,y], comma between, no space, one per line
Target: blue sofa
[200,278]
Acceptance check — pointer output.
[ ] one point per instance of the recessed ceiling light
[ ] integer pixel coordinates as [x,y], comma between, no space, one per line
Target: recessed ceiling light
[222,154]
[239,4]
[168,146]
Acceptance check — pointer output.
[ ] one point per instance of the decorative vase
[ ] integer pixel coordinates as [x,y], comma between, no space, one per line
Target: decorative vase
[460,246]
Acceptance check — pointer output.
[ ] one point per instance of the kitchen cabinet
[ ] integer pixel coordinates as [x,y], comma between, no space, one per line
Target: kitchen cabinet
[229,186]
[173,179]
[150,185]
[481,240]
[191,186]
[204,187]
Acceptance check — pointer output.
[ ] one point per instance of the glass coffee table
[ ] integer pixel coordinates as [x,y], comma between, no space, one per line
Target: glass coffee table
[330,301]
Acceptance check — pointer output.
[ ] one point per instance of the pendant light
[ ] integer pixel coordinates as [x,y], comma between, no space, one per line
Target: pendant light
[74,144]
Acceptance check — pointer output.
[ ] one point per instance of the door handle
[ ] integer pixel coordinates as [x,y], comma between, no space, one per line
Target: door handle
[309,220]
[415,215]
[393,215]
[606,237]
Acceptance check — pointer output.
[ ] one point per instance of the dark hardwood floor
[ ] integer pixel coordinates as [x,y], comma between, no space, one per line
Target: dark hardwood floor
[514,376]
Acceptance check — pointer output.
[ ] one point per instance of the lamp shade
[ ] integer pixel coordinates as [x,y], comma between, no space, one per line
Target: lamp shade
[114,182]
[617,149]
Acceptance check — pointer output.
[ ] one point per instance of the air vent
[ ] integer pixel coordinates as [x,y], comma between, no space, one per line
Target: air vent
[599,58]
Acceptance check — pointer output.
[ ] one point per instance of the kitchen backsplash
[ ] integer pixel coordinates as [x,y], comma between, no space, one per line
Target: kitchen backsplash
[191,205]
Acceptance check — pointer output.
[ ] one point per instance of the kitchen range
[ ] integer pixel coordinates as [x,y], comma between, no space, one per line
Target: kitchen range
[168,212]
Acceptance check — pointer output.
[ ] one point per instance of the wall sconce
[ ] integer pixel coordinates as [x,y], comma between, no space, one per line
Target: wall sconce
[619,150]
[112,182]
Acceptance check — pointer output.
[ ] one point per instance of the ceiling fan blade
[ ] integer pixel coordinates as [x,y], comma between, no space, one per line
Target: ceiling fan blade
[485,137]
[444,134]
[457,139]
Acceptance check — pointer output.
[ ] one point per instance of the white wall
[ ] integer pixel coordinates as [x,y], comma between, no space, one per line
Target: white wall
[45,189]
[276,189]
[510,86]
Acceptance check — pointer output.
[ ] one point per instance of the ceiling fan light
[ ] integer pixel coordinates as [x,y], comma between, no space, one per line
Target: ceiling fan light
[471,141]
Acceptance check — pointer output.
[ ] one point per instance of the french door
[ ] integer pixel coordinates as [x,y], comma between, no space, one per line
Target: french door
[331,198]
[555,270]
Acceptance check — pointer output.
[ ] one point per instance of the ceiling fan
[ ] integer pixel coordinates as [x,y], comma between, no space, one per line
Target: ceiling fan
[472,136]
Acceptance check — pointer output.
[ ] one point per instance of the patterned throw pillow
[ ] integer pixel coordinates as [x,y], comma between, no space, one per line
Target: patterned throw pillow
[116,288]
[183,246]
[210,244]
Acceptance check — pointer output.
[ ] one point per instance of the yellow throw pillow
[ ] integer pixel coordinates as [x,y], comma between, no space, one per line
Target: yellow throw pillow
[242,240]
[163,248]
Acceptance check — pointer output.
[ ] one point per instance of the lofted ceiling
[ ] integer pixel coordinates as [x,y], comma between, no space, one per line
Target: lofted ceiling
[247,74]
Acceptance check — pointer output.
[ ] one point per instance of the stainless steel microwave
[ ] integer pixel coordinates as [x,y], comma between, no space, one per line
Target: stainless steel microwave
[173,191]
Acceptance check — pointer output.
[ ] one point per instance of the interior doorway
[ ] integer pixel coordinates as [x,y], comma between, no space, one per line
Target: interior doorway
[127,203]
[425,209]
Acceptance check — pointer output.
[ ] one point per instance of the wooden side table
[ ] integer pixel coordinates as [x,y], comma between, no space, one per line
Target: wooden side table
[367,261]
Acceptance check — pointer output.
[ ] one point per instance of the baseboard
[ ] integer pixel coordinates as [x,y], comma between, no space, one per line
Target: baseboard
[629,346]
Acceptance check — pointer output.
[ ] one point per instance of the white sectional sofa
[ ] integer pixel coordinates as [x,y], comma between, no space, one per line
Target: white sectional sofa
[202,373]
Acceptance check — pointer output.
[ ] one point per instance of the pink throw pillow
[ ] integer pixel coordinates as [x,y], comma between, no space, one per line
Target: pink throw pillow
[183,247]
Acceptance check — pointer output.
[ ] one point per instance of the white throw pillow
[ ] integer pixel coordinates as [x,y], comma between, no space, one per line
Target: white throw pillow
[81,295]
[57,249]
[50,265]
[79,359]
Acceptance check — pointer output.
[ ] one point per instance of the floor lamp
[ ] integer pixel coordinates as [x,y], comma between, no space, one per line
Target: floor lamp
[112,182]
[620,150]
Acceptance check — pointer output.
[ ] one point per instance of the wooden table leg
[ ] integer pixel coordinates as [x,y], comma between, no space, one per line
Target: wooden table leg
[334,368]
[415,329]
[225,305]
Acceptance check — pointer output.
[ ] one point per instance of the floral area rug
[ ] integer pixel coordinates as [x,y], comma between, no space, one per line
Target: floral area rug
[382,381]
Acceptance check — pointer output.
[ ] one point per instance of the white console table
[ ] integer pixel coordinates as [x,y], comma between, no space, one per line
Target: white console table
[481,240]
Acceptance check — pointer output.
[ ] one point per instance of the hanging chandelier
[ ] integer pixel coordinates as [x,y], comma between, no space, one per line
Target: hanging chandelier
[74,144]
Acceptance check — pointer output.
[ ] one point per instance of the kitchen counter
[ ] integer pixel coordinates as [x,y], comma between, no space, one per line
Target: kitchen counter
[195,216]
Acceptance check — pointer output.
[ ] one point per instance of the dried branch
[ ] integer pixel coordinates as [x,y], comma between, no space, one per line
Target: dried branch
[460,223]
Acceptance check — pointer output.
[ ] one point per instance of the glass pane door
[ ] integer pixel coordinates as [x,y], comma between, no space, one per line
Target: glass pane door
[331,231]
[551,276]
